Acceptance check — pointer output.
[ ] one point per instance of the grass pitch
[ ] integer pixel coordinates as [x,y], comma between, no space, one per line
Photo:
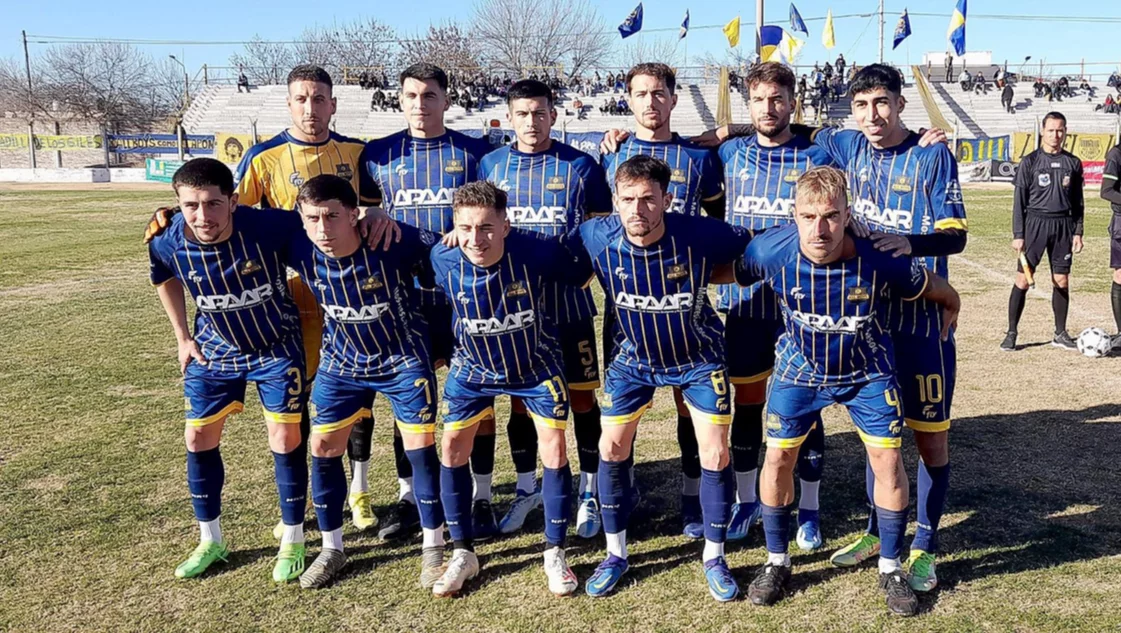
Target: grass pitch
[94,513]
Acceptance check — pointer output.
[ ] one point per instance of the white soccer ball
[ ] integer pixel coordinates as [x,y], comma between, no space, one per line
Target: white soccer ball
[1094,342]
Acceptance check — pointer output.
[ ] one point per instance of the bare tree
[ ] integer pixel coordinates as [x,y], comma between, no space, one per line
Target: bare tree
[524,35]
[650,48]
[445,45]
[265,63]
[106,82]
[359,44]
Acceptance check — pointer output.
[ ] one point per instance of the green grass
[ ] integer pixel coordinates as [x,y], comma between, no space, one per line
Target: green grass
[94,514]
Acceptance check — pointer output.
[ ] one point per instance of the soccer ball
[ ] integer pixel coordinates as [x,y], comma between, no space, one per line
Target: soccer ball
[1094,342]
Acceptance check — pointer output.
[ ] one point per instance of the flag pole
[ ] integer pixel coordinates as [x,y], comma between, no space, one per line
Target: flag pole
[759,29]
[881,31]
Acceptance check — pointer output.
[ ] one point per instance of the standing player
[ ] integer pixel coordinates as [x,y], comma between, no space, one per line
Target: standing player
[835,349]
[246,330]
[696,184]
[910,195]
[1047,215]
[760,173]
[505,346]
[656,267]
[375,343]
[552,189]
[1111,191]
[417,171]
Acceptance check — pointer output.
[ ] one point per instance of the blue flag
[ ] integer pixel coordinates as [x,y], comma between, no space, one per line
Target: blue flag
[684,26]
[633,23]
[796,23]
[956,32]
[902,30]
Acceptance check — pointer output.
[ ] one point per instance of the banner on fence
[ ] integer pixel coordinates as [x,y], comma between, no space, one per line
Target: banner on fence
[976,150]
[231,147]
[196,144]
[159,170]
[1003,171]
[1091,148]
[51,142]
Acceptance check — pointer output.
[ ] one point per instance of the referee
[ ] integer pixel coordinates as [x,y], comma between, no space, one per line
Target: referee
[1111,191]
[1047,216]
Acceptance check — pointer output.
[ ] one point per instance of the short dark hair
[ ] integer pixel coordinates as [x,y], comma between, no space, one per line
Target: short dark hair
[326,187]
[770,73]
[204,172]
[1054,115]
[875,76]
[644,167]
[310,72]
[480,194]
[424,71]
[656,70]
[529,89]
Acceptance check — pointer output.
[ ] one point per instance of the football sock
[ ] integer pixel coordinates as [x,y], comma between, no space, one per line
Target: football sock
[781,559]
[745,486]
[889,565]
[205,476]
[292,534]
[807,504]
[400,462]
[527,482]
[522,434]
[359,476]
[893,524]
[405,490]
[483,488]
[587,429]
[291,484]
[934,482]
[588,482]
[1060,305]
[690,451]
[1115,300]
[211,530]
[776,527]
[1016,307]
[432,537]
[617,544]
[455,493]
[870,490]
[426,477]
[716,502]
[712,550]
[333,539]
[614,495]
[747,436]
[556,494]
[328,491]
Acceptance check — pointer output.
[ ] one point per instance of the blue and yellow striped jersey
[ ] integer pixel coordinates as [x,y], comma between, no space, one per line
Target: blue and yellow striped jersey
[908,190]
[759,183]
[245,315]
[664,321]
[271,172]
[835,332]
[696,175]
[417,176]
[552,192]
[372,323]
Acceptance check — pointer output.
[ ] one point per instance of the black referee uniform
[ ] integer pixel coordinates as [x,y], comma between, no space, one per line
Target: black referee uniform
[1111,191]
[1047,214]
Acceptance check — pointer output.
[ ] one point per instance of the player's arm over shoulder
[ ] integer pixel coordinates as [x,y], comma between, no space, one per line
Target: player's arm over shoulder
[762,252]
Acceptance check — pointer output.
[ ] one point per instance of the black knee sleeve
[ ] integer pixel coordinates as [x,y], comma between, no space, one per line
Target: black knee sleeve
[588,430]
[361,436]
[747,436]
[523,442]
[690,451]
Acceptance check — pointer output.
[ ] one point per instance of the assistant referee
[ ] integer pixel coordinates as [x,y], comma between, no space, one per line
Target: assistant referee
[1047,212]
[1111,191]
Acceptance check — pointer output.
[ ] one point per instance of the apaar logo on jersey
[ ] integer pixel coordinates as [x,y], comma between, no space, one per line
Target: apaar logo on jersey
[492,326]
[363,314]
[549,216]
[898,219]
[372,283]
[676,272]
[453,166]
[344,171]
[902,184]
[517,289]
[423,197]
[556,183]
[757,205]
[226,302]
[678,302]
[848,324]
[248,267]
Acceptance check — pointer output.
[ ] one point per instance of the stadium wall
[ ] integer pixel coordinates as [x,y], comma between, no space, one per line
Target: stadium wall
[73,158]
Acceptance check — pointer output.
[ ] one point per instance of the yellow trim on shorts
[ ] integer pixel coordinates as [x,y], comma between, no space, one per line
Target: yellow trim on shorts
[282,418]
[459,425]
[923,426]
[949,224]
[584,386]
[880,442]
[789,442]
[229,409]
[748,380]
[416,429]
[719,419]
[331,427]
[552,423]
[617,420]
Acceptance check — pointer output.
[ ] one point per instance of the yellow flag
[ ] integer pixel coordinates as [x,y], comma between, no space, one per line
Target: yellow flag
[732,31]
[827,34]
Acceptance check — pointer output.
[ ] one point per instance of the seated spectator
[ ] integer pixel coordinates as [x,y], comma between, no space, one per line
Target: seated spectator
[1114,80]
[979,85]
[1110,106]
[242,81]
[966,80]
[609,107]
[623,107]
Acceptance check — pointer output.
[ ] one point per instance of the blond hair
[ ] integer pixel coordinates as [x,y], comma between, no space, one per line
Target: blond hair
[821,185]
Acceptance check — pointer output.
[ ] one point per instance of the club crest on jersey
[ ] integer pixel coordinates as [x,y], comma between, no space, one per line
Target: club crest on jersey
[676,272]
[344,171]
[677,176]
[859,294]
[517,289]
[792,175]
[1044,180]
[453,166]
[372,283]
[248,267]
[953,192]
[296,179]
[312,410]
[556,183]
[902,184]
[773,422]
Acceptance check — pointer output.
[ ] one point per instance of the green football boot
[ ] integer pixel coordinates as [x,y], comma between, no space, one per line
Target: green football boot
[852,555]
[206,554]
[289,562]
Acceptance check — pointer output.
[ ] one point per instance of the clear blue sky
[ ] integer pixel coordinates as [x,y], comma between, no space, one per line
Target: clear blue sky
[856,37]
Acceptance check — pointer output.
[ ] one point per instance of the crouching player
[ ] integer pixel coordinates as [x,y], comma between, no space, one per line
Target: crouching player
[836,348]
[374,343]
[496,279]
[247,329]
